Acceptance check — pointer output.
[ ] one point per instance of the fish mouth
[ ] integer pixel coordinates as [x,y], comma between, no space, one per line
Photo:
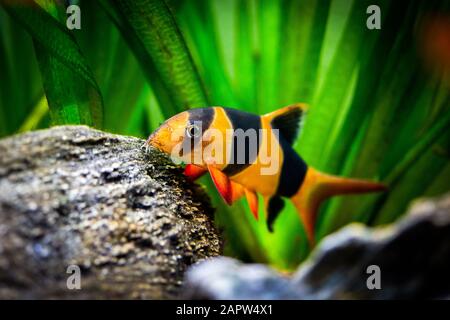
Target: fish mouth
[150,142]
[145,146]
[154,142]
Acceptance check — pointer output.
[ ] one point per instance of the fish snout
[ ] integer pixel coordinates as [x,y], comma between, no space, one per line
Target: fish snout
[153,141]
[164,139]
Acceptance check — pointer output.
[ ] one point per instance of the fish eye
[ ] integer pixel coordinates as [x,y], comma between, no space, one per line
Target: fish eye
[192,131]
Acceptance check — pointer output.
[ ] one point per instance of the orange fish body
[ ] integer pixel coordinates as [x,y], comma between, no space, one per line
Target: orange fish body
[247,154]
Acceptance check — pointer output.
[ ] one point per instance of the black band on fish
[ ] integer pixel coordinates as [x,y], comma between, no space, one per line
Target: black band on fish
[274,207]
[201,118]
[244,149]
[293,170]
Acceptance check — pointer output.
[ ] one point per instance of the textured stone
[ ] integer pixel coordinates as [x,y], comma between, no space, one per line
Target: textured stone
[128,218]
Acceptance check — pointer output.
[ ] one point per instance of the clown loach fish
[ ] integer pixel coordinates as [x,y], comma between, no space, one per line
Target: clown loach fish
[190,133]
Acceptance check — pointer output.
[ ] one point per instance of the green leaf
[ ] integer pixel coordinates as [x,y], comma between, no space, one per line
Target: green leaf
[36,116]
[152,33]
[71,89]
[302,37]
[269,24]
[396,96]
[21,86]
[198,25]
[119,75]
[246,55]
[332,94]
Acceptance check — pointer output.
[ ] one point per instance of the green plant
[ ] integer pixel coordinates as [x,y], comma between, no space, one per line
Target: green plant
[376,110]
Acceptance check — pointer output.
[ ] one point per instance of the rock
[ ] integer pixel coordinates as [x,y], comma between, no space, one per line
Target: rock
[413,256]
[227,278]
[76,196]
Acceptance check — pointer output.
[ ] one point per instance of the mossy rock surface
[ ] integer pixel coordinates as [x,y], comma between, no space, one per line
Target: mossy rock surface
[128,218]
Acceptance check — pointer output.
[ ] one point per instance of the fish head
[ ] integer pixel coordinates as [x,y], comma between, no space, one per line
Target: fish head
[181,136]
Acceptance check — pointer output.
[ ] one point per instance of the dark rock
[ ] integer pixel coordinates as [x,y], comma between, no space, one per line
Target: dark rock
[227,278]
[413,256]
[76,196]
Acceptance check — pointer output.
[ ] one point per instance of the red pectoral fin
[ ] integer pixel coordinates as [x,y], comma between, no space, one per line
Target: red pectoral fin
[252,199]
[194,172]
[237,191]
[223,184]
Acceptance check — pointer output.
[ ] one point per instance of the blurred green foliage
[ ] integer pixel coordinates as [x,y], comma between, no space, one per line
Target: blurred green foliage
[378,110]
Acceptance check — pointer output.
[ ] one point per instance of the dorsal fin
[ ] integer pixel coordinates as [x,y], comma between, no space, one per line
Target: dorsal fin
[287,120]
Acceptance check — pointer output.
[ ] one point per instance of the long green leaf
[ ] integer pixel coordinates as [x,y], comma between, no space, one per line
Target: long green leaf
[21,86]
[302,36]
[116,69]
[246,55]
[158,44]
[198,24]
[325,108]
[71,89]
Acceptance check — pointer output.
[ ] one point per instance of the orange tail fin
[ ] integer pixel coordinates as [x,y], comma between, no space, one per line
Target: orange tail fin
[317,187]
